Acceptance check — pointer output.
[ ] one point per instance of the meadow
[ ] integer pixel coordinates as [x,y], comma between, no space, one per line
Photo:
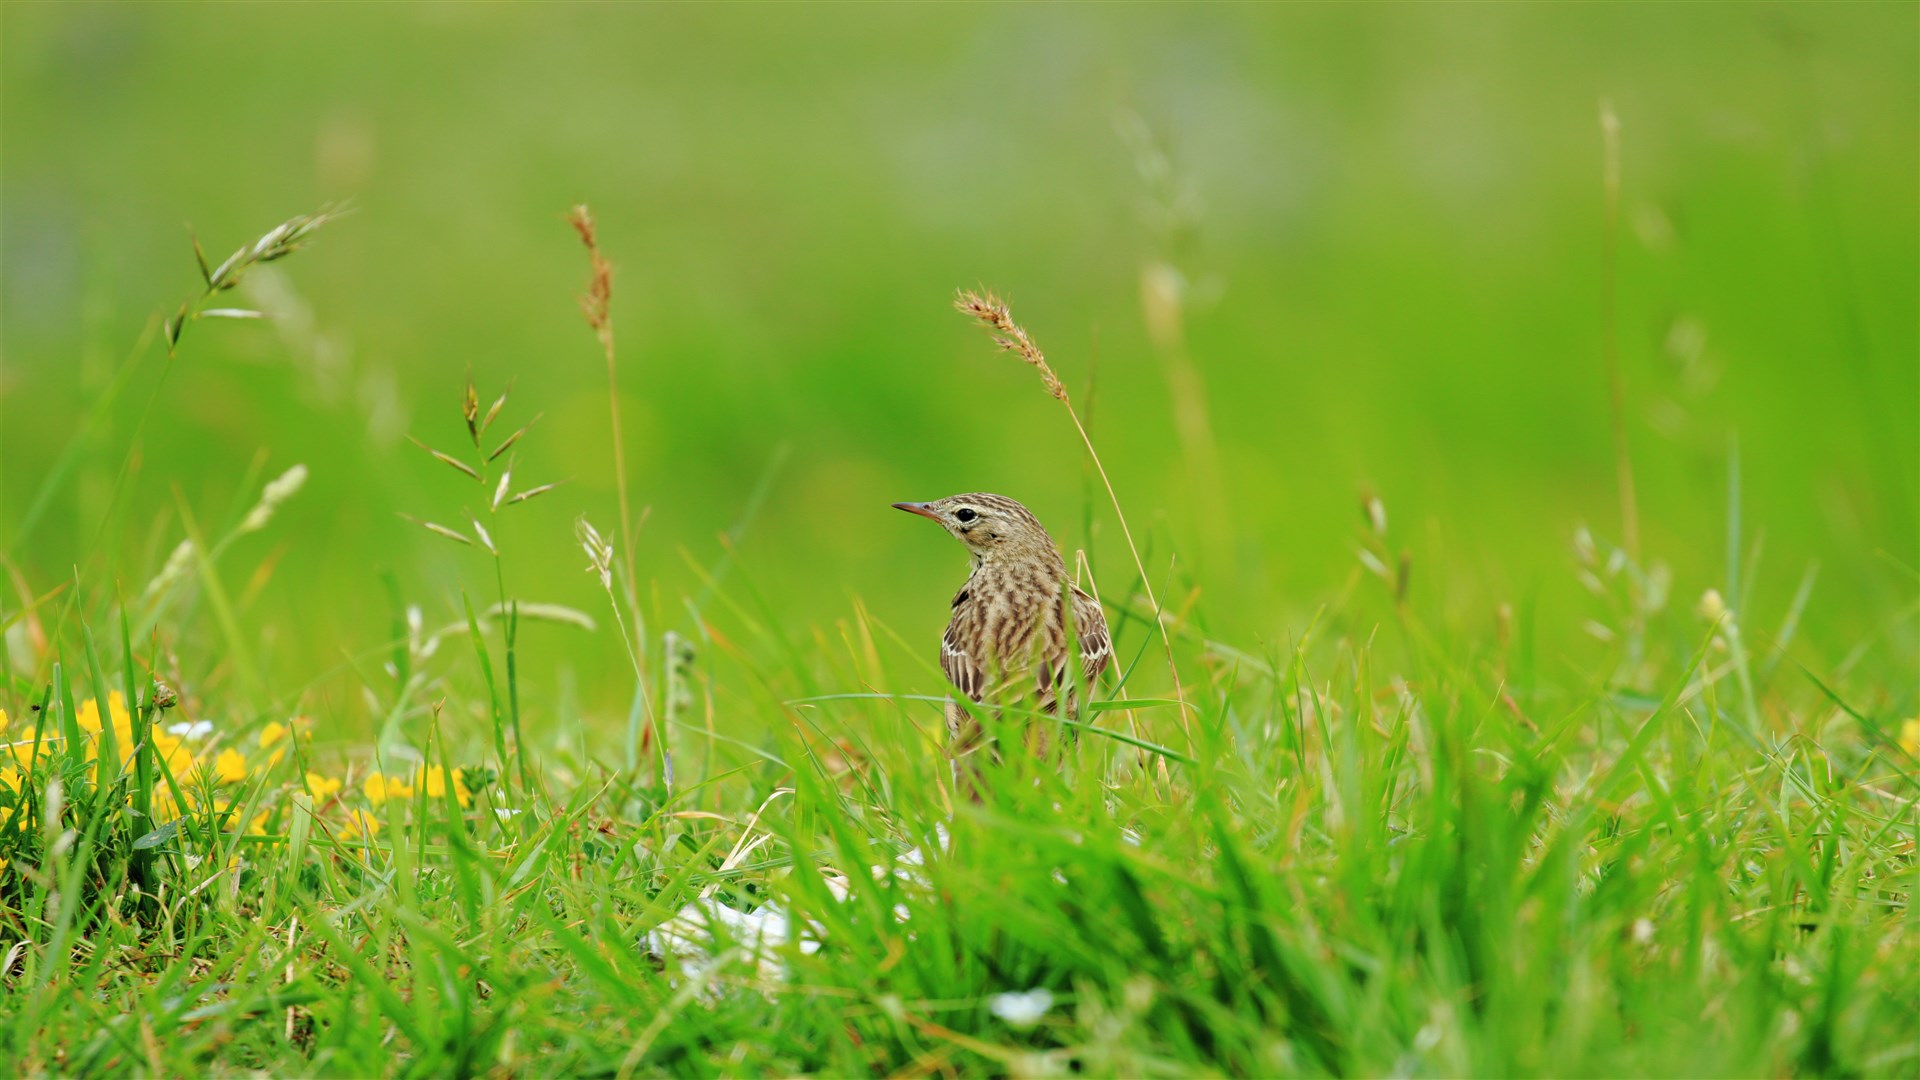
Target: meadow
[454,622]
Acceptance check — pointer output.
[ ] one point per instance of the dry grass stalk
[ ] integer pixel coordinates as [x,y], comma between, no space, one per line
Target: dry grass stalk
[597,305]
[991,312]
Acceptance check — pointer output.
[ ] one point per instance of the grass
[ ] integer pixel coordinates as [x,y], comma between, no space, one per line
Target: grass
[1381,847]
[601,735]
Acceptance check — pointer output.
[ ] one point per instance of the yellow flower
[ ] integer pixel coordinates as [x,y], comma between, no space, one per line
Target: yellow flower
[279,736]
[258,826]
[322,788]
[23,752]
[89,714]
[380,788]
[1910,737]
[3,719]
[360,823]
[174,751]
[436,781]
[229,767]
[272,736]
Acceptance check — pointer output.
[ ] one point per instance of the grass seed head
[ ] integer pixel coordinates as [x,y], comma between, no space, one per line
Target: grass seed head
[487,421]
[455,462]
[534,492]
[1375,512]
[599,550]
[441,530]
[507,443]
[278,242]
[991,312]
[597,302]
[470,410]
[178,565]
[277,491]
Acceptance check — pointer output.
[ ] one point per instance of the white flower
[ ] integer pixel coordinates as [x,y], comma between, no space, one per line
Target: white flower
[1022,1010]
[199,729]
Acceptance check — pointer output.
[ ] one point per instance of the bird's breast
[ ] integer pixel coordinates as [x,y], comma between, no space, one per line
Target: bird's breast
[1016,614]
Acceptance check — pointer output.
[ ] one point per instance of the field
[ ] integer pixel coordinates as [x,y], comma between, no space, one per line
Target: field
[454,622]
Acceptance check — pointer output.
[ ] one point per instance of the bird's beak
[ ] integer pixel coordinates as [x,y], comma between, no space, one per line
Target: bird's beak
[922,509]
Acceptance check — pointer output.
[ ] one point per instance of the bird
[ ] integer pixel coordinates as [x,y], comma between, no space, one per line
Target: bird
[1007,639]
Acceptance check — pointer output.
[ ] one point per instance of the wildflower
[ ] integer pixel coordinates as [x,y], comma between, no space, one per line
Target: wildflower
[23,753]
[258,826]
[380,788]
[276,737]
[229,767]
[3,720]
[436,781]
[321,787]
[360,823]
[88,717]
[1910,737]
[1022,1010]
[198,729]
[173,750]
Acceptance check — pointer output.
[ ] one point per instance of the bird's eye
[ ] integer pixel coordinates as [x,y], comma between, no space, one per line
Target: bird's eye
[965,513]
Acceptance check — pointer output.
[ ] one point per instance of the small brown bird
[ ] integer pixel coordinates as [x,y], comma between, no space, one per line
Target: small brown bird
[1008,634]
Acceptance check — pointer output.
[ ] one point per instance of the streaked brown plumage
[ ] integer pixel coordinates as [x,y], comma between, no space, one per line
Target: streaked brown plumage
[1007,641]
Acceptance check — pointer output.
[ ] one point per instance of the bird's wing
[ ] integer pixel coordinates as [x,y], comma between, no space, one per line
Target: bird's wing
[1090,627]
[961,668]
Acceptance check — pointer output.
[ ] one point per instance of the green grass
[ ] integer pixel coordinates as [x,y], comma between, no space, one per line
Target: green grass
[1386,854]
[1454,780]
[1378,848]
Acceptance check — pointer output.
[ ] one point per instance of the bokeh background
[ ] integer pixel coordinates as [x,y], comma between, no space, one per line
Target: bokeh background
[1370,237]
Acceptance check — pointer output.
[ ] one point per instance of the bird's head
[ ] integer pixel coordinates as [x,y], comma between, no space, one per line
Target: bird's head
[993,527]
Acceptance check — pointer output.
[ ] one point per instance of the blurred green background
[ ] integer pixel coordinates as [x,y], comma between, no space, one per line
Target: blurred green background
[1380,227]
